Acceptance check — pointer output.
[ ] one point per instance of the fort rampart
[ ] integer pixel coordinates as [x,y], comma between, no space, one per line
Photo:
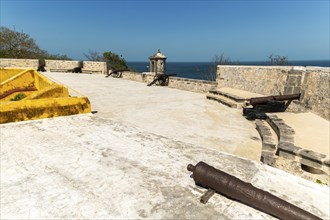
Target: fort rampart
[192,85]
[311,82]
[20,63]
[56,65]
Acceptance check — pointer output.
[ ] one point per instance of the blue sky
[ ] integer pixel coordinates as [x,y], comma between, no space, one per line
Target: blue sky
[183,30]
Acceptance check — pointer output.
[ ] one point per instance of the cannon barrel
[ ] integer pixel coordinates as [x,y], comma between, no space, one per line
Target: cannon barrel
[246,193]
[264,100]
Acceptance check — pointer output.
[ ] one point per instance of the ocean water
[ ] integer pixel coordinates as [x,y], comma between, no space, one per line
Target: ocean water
[201,70]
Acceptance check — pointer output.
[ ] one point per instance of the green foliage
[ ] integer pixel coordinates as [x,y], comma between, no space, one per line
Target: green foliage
[18,45]
[114,61]
[18,97]
[319,181]
[277,60]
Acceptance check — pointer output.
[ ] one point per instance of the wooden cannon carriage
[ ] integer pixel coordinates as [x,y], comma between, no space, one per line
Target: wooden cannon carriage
[261,105]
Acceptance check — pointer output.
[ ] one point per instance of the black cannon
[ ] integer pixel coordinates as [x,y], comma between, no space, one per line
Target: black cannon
[234,188]
[116,73]
[76,70]
[261,105]
[161,79]
[41,68]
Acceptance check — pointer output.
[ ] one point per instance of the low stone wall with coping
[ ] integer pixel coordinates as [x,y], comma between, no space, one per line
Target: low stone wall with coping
[311,82]
[192,85]
[95,67]
[19,63]
[61,65]
[56,65]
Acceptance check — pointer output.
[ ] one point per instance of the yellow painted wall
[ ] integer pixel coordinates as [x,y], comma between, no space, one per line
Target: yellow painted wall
[49,100]
[6,73]
[43,108]
[19,81]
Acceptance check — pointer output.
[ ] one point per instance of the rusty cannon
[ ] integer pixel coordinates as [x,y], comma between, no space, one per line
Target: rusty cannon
[234,188]
[261,105]
[161,79]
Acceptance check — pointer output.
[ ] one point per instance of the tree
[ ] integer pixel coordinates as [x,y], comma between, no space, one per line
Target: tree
[277,60]
[93,56]
[114,61]
[20,45]
[211,74]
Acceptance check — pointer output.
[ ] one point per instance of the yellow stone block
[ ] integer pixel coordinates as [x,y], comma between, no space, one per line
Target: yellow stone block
[42,97]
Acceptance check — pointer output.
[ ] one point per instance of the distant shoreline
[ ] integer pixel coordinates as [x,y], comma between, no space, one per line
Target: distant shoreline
[197,70]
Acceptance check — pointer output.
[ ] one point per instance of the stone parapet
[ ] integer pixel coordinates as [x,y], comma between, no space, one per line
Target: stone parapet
[311,82]
[287,149]
[56,65]
[19,63]
[193,85]
[61,65]
[94,67]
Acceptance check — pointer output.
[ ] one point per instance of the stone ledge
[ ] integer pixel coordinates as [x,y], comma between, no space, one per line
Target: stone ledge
[287,149]
[268,143]
[193,80]
[223,100]
[228,95]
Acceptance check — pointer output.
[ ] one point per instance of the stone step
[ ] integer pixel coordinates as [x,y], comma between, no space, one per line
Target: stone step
[228,95]
[223,100]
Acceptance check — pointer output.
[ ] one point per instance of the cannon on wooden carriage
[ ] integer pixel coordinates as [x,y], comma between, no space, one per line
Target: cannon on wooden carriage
[77,69]
[161,79]
[262,105]
[116,73]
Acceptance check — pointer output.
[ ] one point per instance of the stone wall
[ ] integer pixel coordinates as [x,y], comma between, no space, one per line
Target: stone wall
[311,82]
[20,63]
[265,80]
[138,77]
[316,89]
[192,85]
[95,67]
[61,65]
[56,65]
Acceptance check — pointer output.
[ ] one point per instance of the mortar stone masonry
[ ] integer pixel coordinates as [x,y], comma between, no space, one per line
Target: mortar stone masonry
[287,149]
[193,85]
[311,82]
[61,65]
[20,63]
[56,65]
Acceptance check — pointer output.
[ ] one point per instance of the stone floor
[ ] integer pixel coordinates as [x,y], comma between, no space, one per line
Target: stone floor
[181,115]
[90,167]
[129,159]
[311,131]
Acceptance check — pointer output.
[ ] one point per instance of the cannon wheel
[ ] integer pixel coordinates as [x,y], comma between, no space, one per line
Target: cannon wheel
[251,116]
[158,82]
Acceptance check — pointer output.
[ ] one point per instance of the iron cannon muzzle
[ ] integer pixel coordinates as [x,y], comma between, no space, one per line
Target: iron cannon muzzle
[232,187]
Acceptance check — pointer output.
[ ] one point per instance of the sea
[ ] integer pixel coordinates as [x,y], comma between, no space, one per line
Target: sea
[201,70]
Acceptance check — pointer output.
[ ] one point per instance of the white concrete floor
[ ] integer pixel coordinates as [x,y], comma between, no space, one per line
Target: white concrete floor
[182,115]
[129,160]
[88,167]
